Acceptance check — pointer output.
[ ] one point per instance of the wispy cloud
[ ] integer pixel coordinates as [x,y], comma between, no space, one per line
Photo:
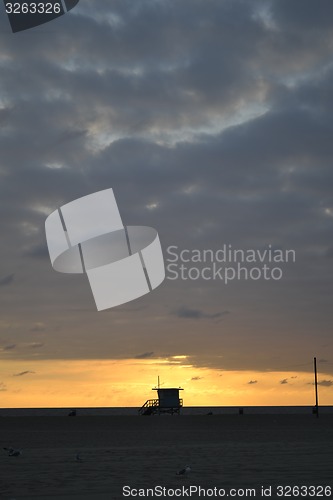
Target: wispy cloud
[144,355]
[21,374]
[38,251]
[8,347]
[35,345]
[197,378]
[326,383]
[253,382]
[38,327]
[186,312]
[3,387]
[323,383]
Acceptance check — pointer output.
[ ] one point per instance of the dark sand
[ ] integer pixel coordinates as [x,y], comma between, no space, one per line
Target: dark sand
[224,451]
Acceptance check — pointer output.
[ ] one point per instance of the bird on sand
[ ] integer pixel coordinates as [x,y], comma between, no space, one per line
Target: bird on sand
[12,452]
[184,472]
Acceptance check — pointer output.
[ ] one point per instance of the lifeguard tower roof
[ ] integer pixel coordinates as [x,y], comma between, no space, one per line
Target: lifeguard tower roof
[167,389]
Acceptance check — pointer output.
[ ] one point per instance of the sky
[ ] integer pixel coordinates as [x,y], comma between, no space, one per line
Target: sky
[212,122]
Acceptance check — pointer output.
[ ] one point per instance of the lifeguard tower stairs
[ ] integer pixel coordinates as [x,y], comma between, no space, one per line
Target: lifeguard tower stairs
[168,402]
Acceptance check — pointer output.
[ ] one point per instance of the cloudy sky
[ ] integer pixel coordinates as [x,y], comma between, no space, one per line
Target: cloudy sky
[212,122]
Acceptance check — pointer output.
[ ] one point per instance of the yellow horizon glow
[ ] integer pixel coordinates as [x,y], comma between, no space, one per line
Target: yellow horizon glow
[129,383]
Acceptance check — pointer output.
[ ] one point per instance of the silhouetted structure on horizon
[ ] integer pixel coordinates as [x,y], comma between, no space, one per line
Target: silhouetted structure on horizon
[168,402]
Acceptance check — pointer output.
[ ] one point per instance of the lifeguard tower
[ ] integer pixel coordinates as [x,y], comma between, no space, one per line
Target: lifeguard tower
[168,402]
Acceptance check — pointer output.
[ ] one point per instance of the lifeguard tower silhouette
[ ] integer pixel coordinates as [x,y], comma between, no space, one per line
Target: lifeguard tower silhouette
[168,402]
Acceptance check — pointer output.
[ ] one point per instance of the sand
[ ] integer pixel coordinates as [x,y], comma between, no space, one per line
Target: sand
[224,451]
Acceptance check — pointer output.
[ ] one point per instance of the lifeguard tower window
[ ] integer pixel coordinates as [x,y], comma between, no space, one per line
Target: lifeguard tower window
[168,402]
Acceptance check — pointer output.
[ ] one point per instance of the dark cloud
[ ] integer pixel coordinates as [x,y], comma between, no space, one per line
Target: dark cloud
[144,355]
[9,347]
[186,312]
[303,15]
[284,381]
[325,383]
[38,251]
[197,378]
[253,382]
[21,374]
[329,252]
[7,280]
[38,327]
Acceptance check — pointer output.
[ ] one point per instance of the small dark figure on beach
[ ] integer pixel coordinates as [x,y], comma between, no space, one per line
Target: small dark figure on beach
[72,413]
[184,472]
[12,452]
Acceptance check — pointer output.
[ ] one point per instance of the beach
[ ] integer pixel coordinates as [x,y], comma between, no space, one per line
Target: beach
[225,452]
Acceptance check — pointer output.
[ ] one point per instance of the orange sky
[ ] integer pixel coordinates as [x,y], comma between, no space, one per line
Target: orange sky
[63,383]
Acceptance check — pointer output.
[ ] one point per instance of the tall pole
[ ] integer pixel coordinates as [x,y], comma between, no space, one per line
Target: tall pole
[316,384]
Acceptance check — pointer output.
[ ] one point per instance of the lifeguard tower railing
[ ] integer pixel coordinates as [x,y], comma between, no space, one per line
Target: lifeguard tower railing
[151,406]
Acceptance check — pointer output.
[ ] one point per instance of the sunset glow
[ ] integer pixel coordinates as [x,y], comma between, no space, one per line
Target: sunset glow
[129,383]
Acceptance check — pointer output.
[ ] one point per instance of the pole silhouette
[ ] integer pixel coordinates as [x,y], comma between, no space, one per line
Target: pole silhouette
[316,384]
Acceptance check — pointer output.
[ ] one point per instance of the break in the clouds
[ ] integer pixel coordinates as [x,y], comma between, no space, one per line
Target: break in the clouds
[35,345]
[212,122]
